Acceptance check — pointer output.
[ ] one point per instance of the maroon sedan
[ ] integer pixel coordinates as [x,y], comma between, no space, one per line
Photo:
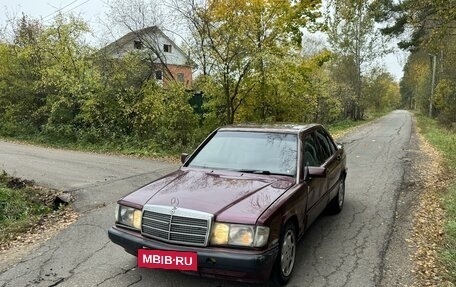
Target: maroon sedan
[238,205]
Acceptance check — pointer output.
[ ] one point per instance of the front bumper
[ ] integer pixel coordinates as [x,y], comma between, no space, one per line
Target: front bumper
[239,265]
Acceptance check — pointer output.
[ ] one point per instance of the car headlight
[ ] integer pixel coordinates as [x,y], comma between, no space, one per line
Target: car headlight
[239,235]
[129,216]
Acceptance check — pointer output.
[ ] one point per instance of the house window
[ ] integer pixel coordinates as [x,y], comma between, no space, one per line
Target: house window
[180,77]
[158,75]
[138,44]
[167,48]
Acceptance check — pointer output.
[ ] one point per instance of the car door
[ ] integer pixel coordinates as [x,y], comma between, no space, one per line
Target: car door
[315,186]
[331,161]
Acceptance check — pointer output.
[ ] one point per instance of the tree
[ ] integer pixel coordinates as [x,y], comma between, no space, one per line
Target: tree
[445,99]
[166,116]
[355,39]
[429,21]
[65,74]
[416,82]
[20,73]
[382,91]
[238,41]
[429,33]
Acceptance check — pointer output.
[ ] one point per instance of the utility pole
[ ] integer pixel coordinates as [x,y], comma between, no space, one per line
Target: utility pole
[434,60]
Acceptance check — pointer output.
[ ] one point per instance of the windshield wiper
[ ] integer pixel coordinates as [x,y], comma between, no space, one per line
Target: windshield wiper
[255,171]
[266,172]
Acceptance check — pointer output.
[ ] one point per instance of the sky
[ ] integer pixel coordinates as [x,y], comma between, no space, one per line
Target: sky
[92,11]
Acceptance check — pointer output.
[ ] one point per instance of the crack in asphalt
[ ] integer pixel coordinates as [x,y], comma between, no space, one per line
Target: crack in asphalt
[72,270]
[133,283]
[42,267]
[30,270]
[392,225]
[358,245]
[125,271]
[58,282]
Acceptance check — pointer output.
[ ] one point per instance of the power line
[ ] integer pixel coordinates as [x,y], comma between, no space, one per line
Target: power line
[60,9]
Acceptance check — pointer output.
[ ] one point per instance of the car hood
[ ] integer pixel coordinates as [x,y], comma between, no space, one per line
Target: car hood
[230,196]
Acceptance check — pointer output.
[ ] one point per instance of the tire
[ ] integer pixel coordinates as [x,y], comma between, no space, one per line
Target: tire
[337,203]
[286,259]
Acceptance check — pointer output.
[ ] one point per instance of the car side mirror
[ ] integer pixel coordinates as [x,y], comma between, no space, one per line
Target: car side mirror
[312,171]
[316,171]
[339,146]
[184,157]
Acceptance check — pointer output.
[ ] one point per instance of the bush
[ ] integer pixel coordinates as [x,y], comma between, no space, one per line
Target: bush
[444,101]
[166,116]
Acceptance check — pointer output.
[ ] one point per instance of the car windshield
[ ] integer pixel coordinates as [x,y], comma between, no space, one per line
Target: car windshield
[254,152]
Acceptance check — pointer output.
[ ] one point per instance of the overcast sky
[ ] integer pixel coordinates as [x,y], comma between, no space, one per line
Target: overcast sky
[93,10]
[90,10]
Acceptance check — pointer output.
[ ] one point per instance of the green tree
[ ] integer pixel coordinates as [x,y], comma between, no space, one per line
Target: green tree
[429,21]
[382,91]
[240,40]
[416,82]
[20,73]
[429,33]
[166,116]
[65,75]
[445,99]
[108,112]
[357,42]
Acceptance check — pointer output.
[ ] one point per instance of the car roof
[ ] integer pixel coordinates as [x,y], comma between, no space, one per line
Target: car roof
[276,128]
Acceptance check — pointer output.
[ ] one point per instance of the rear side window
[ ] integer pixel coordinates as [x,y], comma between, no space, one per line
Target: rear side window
[310,149]
[327,148]
[332,145]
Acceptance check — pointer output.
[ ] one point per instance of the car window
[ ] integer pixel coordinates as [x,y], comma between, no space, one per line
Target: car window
[332,145]
[325,147]
[274,153]
[310,151]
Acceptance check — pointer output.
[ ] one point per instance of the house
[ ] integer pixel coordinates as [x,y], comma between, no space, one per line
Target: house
[170,62]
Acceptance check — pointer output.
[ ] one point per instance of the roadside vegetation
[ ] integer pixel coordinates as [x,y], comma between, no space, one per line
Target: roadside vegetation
[444,140]
[19,209]
[57,89]
[25,210]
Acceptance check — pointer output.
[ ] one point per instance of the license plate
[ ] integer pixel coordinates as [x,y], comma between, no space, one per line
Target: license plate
[160,259]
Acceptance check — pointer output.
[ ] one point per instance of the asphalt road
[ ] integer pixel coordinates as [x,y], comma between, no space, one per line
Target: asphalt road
[344,250]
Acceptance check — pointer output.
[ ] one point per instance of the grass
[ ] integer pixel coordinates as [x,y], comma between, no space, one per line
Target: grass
[21,206]
[343,126]
[339,128]
[124,147]
[444,140]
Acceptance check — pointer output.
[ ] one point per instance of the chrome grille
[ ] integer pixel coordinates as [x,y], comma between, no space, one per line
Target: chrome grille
[176,225]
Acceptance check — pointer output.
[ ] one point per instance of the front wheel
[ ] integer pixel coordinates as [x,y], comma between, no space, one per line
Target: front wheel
[337,203]
[285,262]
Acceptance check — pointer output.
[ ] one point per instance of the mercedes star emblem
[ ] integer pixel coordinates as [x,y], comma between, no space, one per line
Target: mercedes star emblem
[174,202]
